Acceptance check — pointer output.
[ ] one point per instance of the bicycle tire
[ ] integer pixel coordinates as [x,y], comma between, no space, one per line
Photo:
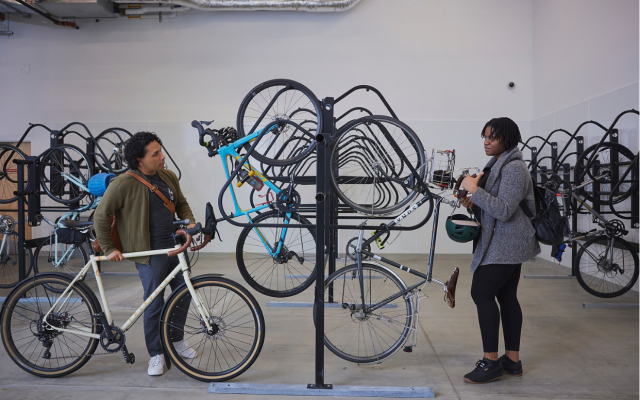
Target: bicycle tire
[346,328]
[67,159]
[70,266]
[286,276]
[9,266]
[599,277]
[22,318]
[9,173]
[364,158]
[584,172]
[112,142]
[295,103]
[238,334]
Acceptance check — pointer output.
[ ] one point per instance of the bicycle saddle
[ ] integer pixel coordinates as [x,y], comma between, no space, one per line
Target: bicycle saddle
[75,224]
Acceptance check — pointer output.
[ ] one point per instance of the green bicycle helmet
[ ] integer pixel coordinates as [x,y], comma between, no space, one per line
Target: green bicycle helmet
[462,228]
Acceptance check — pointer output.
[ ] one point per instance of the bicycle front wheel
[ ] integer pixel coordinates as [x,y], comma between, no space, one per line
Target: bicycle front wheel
[236,336]
[300,119]
[354,333]
[58,167]
[9,266]
[607,267]
[286,273]
[59,257]
[37,347]
[377,160]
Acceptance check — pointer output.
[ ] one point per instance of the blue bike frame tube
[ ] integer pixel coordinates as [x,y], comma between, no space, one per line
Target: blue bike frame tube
[241,164]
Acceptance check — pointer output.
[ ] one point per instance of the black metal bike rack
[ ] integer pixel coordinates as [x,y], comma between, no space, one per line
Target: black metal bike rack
[328,214]
[560,167]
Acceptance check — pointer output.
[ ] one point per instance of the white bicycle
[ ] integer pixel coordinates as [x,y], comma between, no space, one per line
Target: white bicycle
[53,323]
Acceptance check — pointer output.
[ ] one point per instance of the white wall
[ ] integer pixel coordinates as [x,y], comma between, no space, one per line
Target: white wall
[582,49]
[585,67]
[443,66]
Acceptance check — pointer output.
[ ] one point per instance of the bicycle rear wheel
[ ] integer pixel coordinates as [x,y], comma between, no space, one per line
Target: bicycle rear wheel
[377,161]
[61,258]
[9,266]
[237,334]
[614,159]
[298,111]
[287,273]
[361,336]
[607,267]
[42,350]
[61,162]
[9,173]
[112,143]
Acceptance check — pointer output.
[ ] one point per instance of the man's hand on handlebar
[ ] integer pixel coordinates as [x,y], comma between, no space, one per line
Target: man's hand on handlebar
[115,256]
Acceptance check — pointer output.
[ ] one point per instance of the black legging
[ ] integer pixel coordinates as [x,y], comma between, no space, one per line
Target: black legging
[498,281]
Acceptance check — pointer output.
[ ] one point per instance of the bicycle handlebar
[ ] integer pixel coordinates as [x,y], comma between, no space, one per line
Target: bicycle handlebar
[187,233]
[206,241]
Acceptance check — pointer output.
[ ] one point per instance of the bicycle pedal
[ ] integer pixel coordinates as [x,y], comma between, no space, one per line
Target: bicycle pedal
[408,349]
[129,358]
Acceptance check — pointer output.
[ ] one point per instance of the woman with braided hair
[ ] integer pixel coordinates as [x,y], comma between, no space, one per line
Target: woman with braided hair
[506,240]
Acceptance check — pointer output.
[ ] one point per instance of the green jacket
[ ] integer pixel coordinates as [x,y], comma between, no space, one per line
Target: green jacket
[128,199]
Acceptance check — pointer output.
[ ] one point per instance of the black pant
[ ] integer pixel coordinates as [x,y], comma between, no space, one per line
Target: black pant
[152,275]
[498,281]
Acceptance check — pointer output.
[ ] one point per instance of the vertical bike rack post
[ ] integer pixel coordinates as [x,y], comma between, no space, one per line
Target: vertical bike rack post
[574,207]
[20,217]
[567,204]
[33,184]
[534,155]
[554,155]
[323,233]
[56,139]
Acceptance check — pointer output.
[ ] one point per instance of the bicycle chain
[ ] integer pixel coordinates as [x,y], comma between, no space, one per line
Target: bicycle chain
[88,355]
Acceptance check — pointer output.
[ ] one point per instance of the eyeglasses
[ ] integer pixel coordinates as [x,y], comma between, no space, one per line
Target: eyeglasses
[489,138]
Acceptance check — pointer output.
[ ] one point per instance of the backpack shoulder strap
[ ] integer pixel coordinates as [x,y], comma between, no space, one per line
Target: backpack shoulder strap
[154,189]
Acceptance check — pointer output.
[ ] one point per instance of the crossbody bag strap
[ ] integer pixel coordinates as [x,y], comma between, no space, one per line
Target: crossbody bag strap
[167,203]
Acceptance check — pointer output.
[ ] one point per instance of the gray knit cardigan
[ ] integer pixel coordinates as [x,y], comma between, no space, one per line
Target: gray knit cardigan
[506,236]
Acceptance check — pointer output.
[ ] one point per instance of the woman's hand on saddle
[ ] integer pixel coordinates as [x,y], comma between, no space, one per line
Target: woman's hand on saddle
[115,256]
[470,184]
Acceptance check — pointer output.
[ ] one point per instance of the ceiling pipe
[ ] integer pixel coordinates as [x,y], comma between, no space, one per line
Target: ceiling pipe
[257,5]
[48,16]
[144,10]
[167,15]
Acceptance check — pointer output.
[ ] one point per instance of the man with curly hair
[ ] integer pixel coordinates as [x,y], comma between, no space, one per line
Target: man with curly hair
[145,223]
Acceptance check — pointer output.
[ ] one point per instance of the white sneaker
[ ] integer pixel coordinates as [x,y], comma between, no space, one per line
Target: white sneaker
[182,347]
[156,365]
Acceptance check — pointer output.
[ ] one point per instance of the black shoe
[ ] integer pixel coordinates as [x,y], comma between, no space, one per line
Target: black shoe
[486,371]
[511,367]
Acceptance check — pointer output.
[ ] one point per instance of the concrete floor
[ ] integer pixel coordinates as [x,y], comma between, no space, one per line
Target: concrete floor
[568,351]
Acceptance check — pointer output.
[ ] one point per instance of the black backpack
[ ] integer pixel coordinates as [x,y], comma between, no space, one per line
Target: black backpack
[551,226]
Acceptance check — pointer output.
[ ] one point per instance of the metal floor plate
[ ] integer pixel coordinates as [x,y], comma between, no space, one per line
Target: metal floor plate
[342,391]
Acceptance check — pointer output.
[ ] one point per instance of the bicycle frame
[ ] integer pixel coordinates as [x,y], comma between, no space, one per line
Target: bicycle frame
[426,278]
[182,266]
[73,179]
[230,151]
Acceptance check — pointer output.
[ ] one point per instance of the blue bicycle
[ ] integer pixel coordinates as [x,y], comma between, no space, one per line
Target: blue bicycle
[277,262]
